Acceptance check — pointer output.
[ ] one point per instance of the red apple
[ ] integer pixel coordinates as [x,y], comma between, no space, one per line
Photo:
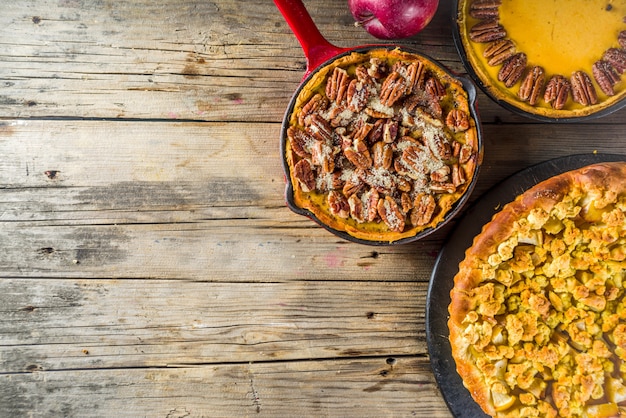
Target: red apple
[393,19]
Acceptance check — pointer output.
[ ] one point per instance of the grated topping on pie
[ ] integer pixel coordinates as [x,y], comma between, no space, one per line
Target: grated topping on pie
[381,144]
[537,314]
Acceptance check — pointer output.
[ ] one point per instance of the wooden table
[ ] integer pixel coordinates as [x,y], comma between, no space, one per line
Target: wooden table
[148,263]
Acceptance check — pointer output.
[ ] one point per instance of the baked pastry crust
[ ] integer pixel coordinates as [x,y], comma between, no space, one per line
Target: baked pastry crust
[528,54]
[381,144]
[537,317]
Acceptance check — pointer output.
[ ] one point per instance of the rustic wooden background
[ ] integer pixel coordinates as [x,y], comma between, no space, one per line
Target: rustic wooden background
[148,263]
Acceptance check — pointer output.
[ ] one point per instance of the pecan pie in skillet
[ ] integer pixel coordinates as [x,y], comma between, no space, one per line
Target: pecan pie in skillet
[381,144]
[537,314]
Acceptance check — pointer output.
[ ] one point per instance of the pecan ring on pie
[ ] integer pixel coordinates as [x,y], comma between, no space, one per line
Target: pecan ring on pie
[381,146]
[549,59]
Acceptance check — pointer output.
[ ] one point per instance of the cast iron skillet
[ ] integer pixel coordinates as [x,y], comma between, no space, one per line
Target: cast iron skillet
[319,53]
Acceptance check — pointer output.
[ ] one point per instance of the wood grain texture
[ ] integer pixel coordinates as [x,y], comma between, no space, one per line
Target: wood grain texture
[148,263]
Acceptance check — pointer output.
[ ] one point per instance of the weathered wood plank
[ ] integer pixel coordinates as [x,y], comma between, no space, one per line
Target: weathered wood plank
[119,324]
[97,192]
[375,387]
[215,61]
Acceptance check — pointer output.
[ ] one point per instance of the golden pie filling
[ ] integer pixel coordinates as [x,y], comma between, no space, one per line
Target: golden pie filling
[551,58]
[537,313]
[381,144]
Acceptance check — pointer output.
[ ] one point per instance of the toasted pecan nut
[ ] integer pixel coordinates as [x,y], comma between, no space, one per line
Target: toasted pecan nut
[487,31]
[317,103]
[320,128]
[393,88]
[458,175]
[606,76]
[621,38]
[423,99]
[300,141]
[532,85]
[337,85]
[415,76]
[357,95]
[424,207]
[499,51]
[485,9]
[557,91]
[583,90]
[512,69]
[303,172]
[391,214]
[382,155]
[359,155]
[357,210]
[338,204]
[435,88]
[458,120]
[617,58]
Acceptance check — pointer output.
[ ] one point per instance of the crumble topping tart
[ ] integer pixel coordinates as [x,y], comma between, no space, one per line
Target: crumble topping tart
[381,144]
[537,314]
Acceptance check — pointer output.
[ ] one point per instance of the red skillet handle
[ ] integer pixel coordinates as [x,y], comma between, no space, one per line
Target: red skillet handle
[317,49]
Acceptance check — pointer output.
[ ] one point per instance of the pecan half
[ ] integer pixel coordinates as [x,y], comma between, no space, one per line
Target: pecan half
[361,130]
[391,214]
[532,85]
[376,133]
[441,175]
[357,211]
[458,175]
[382,155]
[465,153]
[442,187]
[583,90]
[557,91]
[617,58]
[303,172]
[390,131]
[424,207]
[487,31]
[359,155]
[393,88]
[512,69]
[337,85]
[316,104]
[357,95]
[300,141]
[338,204]
[320,129]
[606,76]
[411,159]
[406,202]
[621,38]
[371,199]
[322,155]
[499,51]
[458,120]
[414,76]
[424,100]
[352,185]
[441,147]
[485,9]
[435,88]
